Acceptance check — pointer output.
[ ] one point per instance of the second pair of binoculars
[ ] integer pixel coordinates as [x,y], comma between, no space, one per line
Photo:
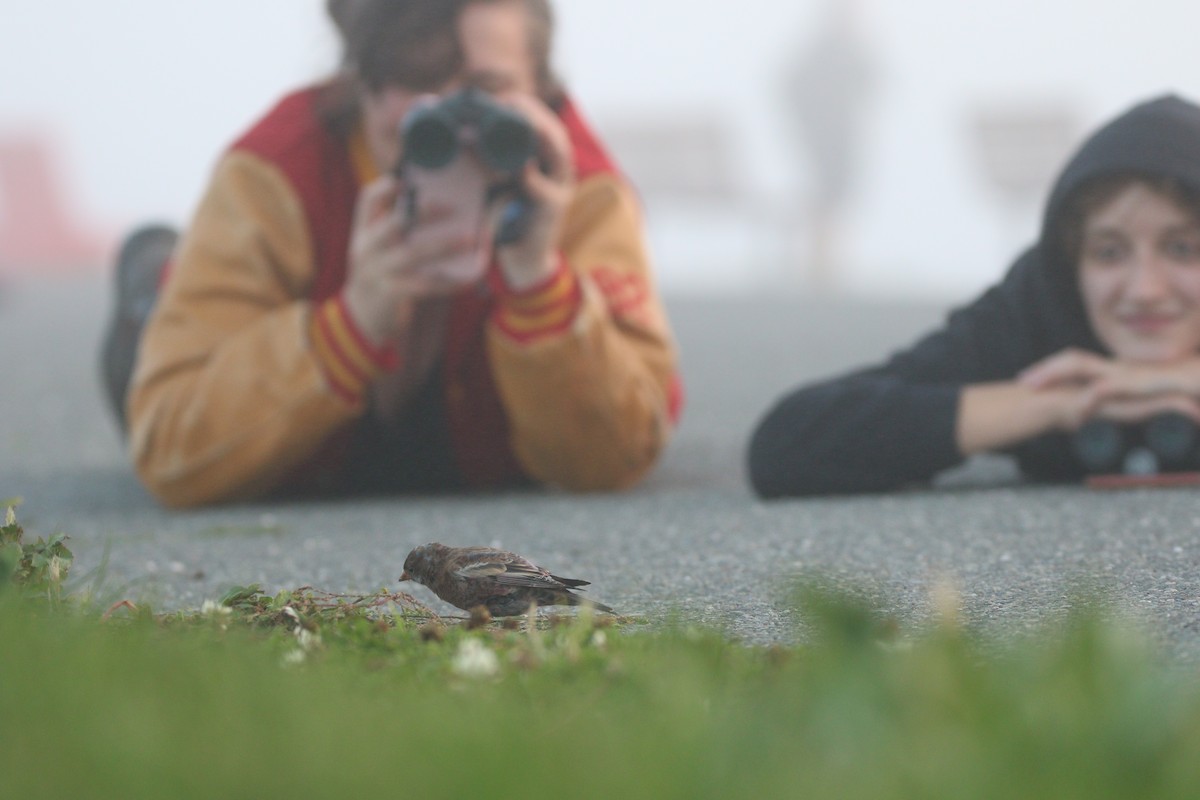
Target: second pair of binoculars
[436,132]
[1168,442]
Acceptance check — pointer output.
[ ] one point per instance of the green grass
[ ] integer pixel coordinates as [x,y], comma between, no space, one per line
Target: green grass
[212,707]
[219,704]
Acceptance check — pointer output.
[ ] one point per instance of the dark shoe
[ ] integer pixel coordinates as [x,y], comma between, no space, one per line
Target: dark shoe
[139,270]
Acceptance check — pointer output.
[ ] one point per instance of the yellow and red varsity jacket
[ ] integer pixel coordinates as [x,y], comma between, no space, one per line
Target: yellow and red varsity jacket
[252,379]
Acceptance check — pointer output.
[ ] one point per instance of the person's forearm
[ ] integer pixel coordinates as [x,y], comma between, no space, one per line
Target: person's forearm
[994,416]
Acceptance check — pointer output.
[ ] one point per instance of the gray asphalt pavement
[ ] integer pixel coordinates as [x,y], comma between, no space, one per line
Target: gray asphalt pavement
[692,540]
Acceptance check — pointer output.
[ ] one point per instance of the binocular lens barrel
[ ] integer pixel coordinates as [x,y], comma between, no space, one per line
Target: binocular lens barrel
[430,140]
[1168,442]
[1172,437]
[433,134]
[1100,446]
[505,142]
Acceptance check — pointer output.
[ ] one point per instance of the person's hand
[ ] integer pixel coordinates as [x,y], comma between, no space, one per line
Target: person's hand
[1092,386]
[386,274]
[549,183]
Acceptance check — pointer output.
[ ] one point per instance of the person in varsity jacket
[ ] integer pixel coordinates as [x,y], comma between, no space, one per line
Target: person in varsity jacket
[297,346]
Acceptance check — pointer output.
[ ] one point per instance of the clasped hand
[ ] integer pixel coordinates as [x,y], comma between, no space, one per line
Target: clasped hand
[1091,386]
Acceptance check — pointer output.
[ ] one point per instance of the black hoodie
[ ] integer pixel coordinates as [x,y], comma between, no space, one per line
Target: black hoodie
[882,428]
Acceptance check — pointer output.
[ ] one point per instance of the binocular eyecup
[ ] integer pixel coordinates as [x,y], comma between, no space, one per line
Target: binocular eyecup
[1168,442]
[434,134]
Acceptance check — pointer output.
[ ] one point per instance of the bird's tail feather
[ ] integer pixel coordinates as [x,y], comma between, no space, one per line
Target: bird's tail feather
[576,600]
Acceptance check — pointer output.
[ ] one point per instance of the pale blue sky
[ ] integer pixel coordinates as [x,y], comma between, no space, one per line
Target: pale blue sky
[143,94]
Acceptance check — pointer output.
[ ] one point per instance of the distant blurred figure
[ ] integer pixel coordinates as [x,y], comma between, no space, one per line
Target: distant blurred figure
[828,93]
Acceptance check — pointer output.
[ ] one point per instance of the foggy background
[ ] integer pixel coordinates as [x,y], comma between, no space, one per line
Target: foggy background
[876,147]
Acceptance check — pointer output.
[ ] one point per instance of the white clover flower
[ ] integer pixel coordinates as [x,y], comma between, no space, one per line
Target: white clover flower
[307,639]
[474,660]
[946,599]
[599,640]
[211,608]
[294,659]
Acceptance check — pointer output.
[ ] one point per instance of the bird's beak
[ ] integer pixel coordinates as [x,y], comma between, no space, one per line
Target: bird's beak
[406,576]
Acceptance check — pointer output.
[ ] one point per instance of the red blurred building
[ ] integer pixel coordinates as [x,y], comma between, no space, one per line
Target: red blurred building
[41,229]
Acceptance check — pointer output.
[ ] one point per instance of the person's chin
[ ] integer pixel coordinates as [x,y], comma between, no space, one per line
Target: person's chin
[1150,350]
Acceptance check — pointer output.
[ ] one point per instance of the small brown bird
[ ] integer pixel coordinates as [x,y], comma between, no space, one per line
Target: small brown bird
[502,582]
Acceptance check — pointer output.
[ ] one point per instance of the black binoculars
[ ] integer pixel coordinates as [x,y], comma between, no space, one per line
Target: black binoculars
[1165,443]
[434,134]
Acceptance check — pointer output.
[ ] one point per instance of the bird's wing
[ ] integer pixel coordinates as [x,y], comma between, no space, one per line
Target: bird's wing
[517,572]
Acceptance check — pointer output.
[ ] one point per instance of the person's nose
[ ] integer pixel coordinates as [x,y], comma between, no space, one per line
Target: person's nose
[1150,280]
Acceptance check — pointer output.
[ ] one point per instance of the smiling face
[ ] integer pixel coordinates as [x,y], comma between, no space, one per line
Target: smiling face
[496,55]
[1139,275]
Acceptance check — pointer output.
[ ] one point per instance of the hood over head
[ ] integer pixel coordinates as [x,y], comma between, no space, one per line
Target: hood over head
[1159,138]
[1040,295]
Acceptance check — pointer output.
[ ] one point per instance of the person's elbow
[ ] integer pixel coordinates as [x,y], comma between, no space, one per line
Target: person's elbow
[180,490]
[614,461]
[775,463]
[793,454]
[180,478]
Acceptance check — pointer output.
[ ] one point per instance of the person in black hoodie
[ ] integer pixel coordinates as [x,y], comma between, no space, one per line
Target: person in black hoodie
[1100,319]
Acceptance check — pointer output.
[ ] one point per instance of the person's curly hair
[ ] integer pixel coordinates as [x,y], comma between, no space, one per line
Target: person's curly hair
[414,44]
[1071,222]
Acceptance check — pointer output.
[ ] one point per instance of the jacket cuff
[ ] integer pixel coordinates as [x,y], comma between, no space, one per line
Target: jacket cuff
[543,310]
[350,362]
